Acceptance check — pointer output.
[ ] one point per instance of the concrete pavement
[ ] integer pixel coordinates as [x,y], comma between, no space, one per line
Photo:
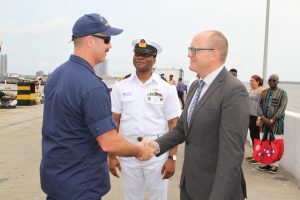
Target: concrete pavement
[20,154]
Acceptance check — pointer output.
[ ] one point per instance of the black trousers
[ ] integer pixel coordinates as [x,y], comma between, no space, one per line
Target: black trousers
[254,130]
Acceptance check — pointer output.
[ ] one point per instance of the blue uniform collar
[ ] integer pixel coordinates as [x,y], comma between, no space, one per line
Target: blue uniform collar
[82,62]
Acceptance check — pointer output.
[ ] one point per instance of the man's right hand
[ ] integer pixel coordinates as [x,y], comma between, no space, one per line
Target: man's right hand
[114,165]
[146,152]
[153,144]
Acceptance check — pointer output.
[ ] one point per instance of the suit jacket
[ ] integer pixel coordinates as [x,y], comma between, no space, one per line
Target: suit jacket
[214,142]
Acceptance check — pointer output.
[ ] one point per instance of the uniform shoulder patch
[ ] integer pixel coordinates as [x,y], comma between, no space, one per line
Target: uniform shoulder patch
[127,76]
[163,78]
[122,78]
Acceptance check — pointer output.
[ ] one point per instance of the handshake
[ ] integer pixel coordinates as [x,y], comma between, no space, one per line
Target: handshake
[147,148]
[143,152]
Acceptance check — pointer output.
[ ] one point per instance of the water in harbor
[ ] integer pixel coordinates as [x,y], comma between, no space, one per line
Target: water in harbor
[292,90]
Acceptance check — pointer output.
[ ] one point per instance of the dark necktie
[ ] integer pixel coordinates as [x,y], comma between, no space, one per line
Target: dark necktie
[195,100]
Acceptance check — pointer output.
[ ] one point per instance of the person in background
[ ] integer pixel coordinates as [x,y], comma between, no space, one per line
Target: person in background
[254,94]
[272,105]
[171,80]
[233,72]
[77,130]
[180,91]
[213,125]
[145,107]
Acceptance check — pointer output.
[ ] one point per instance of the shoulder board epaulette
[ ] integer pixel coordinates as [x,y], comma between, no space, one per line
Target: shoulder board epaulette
[163,78]
[127,76]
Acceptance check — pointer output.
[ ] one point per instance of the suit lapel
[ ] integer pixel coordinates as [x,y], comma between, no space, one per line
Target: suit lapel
[210,90]
[191,93]
[189,98]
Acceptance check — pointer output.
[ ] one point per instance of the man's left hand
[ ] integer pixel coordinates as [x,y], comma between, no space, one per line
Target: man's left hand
[168,169]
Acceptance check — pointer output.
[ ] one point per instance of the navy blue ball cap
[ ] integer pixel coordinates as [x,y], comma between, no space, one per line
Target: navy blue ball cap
[91,24]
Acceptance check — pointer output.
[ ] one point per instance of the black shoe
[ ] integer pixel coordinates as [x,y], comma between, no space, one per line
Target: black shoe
[264,168]
[273,170]
[249,158]
[253,162]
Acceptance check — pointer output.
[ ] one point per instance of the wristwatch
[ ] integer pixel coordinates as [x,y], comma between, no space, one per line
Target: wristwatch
[172,157]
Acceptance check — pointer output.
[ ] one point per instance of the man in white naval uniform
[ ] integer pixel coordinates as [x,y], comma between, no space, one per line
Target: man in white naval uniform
[145,107]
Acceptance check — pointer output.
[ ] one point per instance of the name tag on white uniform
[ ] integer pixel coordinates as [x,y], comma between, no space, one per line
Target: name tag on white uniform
[127,96]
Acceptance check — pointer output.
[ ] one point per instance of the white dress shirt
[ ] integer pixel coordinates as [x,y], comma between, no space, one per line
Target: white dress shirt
[208,80]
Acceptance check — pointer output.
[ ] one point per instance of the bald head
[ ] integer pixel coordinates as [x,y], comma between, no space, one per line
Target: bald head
[273,81]
[208,51]
[218,41]
[215,40]
[274,77]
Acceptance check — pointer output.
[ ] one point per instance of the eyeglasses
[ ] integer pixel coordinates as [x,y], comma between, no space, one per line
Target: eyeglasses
[195,50]
[106,39]
[273,80]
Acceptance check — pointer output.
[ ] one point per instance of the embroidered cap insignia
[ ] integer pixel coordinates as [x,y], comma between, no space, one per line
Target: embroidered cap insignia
[143,43]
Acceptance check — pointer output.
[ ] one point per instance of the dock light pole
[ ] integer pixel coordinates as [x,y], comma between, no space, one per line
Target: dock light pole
[265,64]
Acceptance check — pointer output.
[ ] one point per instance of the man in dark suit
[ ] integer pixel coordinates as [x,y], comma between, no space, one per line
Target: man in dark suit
[213,125]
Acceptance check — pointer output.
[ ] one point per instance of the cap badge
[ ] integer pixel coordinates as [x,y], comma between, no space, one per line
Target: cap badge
[101,18]
[104,21]
[142,44]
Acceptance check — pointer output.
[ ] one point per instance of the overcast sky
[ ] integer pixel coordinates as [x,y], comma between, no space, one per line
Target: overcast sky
[36,33]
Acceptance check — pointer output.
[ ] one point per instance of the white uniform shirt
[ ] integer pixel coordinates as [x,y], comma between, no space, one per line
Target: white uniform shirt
[145,108]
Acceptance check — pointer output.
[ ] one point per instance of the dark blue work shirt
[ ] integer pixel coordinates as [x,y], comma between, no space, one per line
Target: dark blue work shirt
[77,109]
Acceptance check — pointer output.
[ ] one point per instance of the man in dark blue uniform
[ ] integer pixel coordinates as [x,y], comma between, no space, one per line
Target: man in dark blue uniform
[78,128]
